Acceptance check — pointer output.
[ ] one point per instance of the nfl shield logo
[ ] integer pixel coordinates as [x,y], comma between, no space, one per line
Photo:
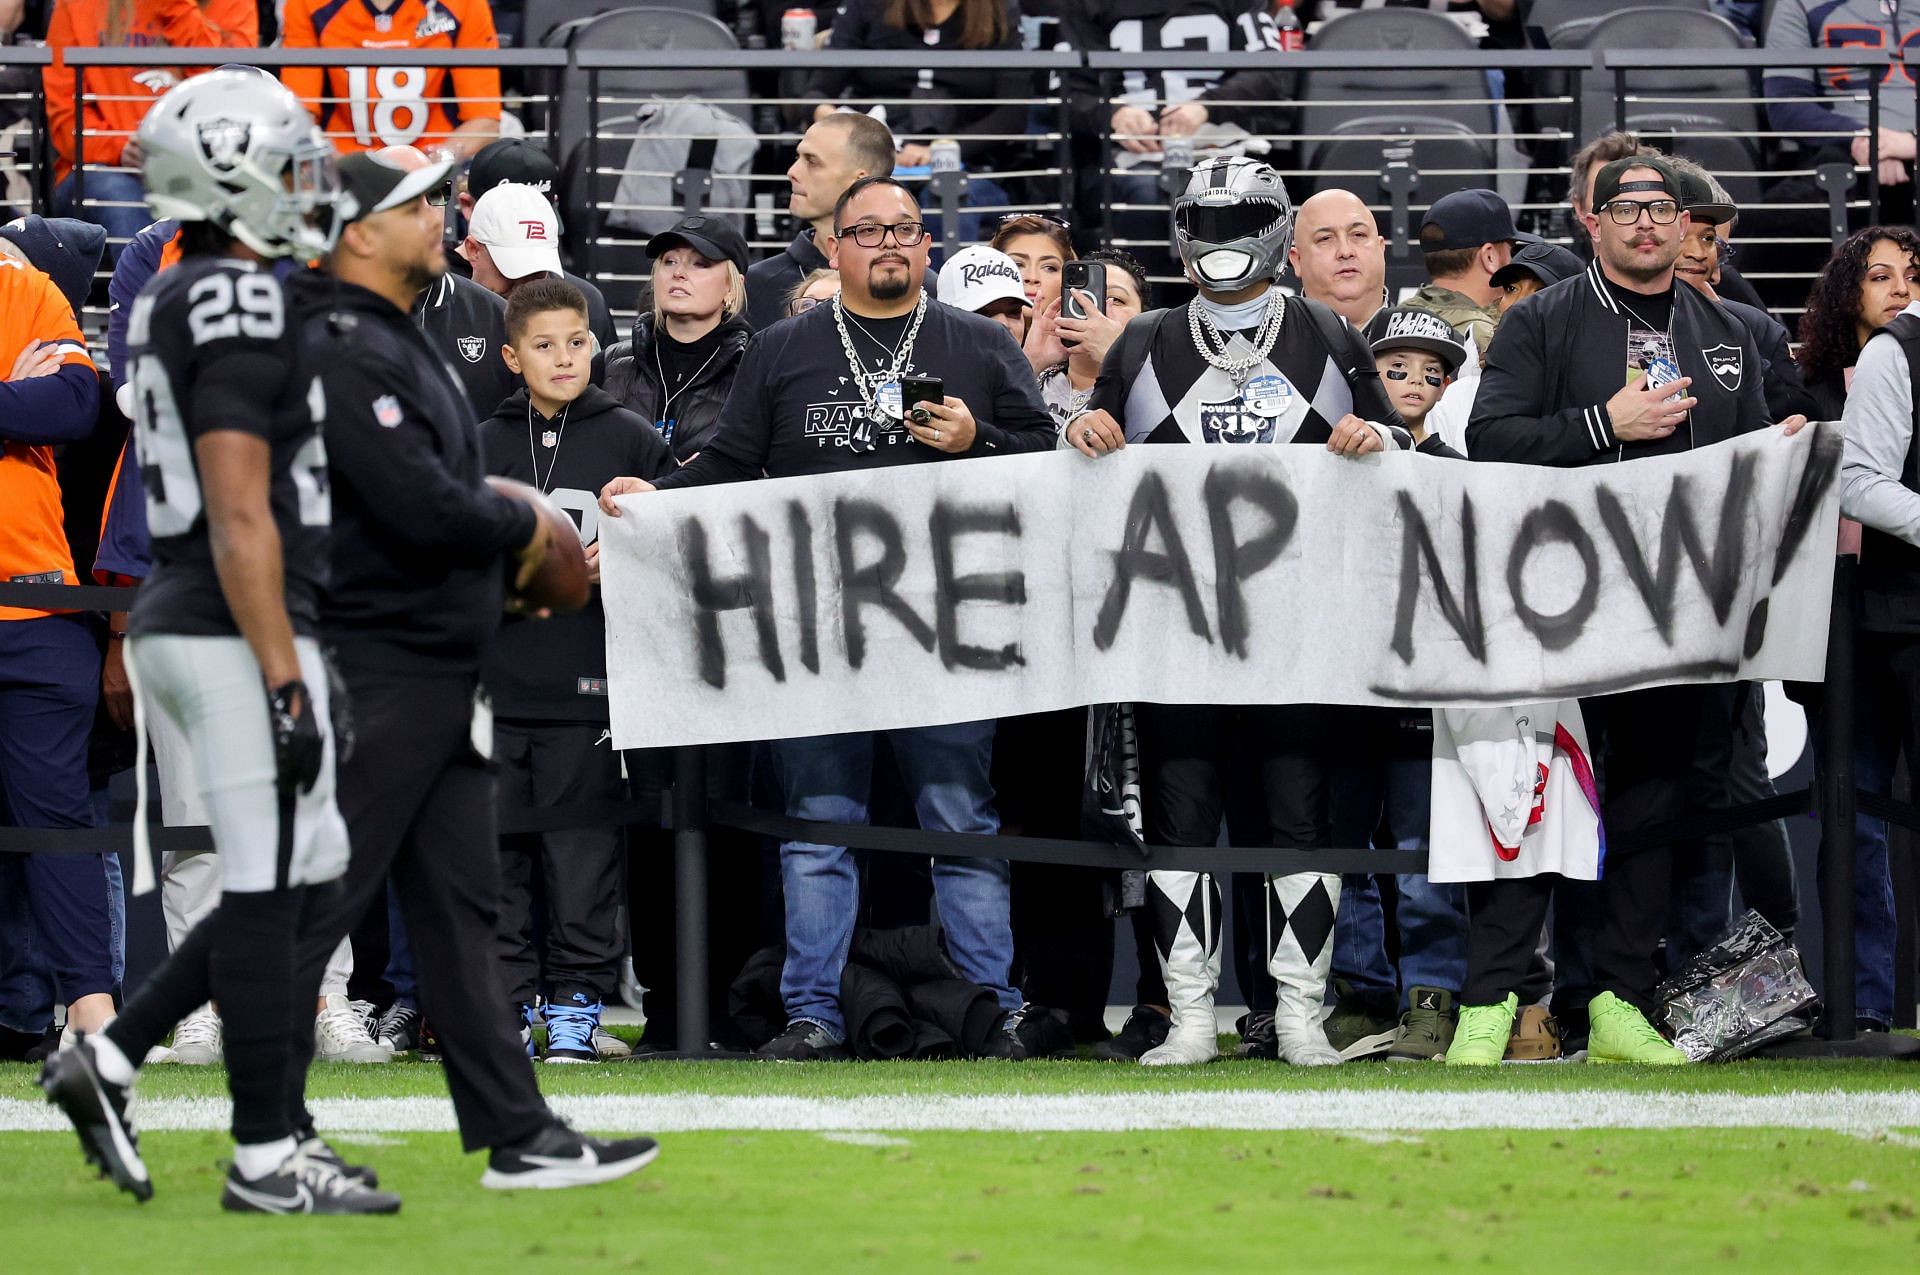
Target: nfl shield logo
[472,348]
[386,410]
[223,141]
[549,438]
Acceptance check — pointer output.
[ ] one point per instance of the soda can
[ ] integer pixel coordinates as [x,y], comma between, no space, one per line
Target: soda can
[1177,153]
[943,155]
[798,27]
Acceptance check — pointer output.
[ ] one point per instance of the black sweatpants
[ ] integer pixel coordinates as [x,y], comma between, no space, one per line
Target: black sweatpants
[1185,769]
[580,869]
[1645,742]
[419,804]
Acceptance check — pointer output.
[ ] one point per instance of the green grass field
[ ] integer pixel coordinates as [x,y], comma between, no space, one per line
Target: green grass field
[1785,1169]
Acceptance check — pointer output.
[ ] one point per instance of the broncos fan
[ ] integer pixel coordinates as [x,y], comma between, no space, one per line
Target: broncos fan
[223,632]
[1241,364]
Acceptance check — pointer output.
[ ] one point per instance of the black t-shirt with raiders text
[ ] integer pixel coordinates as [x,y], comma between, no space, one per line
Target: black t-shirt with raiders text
[795,407]
[1297,394]
[211,349]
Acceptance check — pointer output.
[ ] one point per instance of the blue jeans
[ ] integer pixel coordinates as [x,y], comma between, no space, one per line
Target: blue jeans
[399,973]
[117,201]
[829,778]
[1880,718]
[1432,918]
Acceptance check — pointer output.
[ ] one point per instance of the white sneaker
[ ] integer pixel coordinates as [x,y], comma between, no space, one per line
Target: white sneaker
[608,1045]
[159,1056]
[196,1041]
[340,1035]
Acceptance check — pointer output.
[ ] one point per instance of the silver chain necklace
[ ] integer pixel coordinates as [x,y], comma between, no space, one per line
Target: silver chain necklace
[558,437]
[666,404]
[1213,346]
[869,383]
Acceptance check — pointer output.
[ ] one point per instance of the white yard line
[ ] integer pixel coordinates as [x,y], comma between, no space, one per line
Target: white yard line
[1333,1110]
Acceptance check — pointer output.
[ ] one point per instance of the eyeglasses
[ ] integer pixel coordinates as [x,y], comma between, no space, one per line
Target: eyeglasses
[1625,212]
[871,234]
[442,195]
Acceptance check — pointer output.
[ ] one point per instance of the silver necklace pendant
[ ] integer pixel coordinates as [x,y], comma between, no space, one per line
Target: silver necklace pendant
[549,438]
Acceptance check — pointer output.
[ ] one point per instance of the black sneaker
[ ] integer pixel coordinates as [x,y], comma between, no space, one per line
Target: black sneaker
[426,1043]
[1257,1037]
[1144,1029]
[314,1147]
[803,1041]
[98,1109]
[303,1185]
[558,1157]
[1032,1031]
[398,1029]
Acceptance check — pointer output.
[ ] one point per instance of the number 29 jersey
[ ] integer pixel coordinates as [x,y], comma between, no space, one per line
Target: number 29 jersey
[368,107]
[210,349]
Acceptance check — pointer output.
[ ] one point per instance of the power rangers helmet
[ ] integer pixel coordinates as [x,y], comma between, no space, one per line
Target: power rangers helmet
[1232,223]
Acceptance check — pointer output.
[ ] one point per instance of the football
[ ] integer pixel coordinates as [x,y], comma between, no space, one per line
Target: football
[559,582]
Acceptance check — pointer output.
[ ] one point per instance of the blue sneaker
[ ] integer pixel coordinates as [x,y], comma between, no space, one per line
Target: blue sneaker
[570,1027]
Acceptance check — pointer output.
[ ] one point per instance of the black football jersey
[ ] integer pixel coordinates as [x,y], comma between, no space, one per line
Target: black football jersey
[1297,394]
[1157,26]
[210,348]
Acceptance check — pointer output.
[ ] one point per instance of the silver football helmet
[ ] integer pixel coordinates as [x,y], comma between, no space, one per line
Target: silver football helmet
[1232,223]
[235,148]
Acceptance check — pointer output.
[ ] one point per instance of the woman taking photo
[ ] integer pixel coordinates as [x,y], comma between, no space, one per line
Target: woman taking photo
[1873,275]
[1075,348]
[678,367]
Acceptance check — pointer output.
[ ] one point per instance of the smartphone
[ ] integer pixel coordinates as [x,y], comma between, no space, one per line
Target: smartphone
[1083,276]
[915,390]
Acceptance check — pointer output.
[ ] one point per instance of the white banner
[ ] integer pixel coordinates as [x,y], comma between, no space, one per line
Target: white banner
[957,591]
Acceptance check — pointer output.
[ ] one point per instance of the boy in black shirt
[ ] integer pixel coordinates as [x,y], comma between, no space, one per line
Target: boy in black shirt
[549,679]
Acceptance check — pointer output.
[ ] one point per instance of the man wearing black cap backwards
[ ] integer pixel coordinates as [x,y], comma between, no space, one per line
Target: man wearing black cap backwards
[416,594]
[1615,365]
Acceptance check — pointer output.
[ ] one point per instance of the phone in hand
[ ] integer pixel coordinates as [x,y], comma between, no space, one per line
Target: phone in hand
[915,390]
[1082,276]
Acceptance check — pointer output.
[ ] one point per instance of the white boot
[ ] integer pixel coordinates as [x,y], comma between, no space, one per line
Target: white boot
[1300,913]
[1185,907]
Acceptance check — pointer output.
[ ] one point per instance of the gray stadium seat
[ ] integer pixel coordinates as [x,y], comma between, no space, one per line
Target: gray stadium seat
[1354,163]
[542,16]
[1344,98]
[1565,23]
[1700,97]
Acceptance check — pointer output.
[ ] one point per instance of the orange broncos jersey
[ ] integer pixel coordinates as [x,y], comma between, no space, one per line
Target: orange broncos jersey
[368,107]
[33,537]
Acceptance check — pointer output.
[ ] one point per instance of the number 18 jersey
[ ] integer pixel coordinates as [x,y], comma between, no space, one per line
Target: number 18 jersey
[210,349]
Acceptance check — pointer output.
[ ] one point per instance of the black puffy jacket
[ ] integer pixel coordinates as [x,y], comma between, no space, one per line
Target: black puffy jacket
[633,377]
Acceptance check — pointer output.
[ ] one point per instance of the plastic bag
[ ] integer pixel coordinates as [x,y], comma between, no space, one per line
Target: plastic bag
[1737,995]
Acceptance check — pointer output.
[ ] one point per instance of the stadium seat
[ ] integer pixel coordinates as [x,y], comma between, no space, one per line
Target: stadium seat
[1565,24]
[1338,103]
[542,16]
[1446,154]
[1697,98]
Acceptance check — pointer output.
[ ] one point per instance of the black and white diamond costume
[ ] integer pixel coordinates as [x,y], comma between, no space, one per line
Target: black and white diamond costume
[1266,369]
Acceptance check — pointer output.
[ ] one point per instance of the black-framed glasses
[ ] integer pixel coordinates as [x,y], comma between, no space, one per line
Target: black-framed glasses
[871,234]
[1050,218]
[1625,212]
[442,195]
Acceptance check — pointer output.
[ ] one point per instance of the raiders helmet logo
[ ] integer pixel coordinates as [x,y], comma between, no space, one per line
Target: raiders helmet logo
[1726,363]
[224,142]
[472,348]
[1233,422]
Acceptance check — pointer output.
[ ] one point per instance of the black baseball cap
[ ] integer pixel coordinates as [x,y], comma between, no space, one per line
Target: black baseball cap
[1609,182]
[1469,218]
[374,185]
[1696,196]
[512,159]
[1407,328]
[1547,262]
[712,237]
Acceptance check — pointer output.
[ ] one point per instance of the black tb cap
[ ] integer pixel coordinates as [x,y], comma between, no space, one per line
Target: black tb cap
[712,237]
[1469,218]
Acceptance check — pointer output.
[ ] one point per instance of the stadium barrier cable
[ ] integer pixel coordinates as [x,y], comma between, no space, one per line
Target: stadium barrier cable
[688,815]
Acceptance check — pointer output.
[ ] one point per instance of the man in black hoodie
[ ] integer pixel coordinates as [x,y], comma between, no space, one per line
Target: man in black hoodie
[548,678]
[420,548]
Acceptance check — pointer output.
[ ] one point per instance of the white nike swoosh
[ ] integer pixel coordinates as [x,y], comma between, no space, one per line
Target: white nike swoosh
[587,1158]
[300,1202]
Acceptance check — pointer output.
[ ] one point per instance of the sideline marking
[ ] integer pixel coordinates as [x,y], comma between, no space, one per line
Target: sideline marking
[1334,1110]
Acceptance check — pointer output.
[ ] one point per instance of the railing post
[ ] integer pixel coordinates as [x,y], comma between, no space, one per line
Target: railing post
[690,895]
[1837,804]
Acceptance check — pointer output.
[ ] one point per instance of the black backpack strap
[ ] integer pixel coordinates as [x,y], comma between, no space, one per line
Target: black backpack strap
[1333,332]
[1136,343]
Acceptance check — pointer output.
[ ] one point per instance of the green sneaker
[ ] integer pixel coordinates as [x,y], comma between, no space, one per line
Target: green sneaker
[1358,1027]
[1480,1038]
[1426,1029]
[1619,1033]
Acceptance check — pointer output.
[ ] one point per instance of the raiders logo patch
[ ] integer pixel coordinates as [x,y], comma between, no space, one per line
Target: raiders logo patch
[223,141]
[1727,363]
[472,348]
[1234,422]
